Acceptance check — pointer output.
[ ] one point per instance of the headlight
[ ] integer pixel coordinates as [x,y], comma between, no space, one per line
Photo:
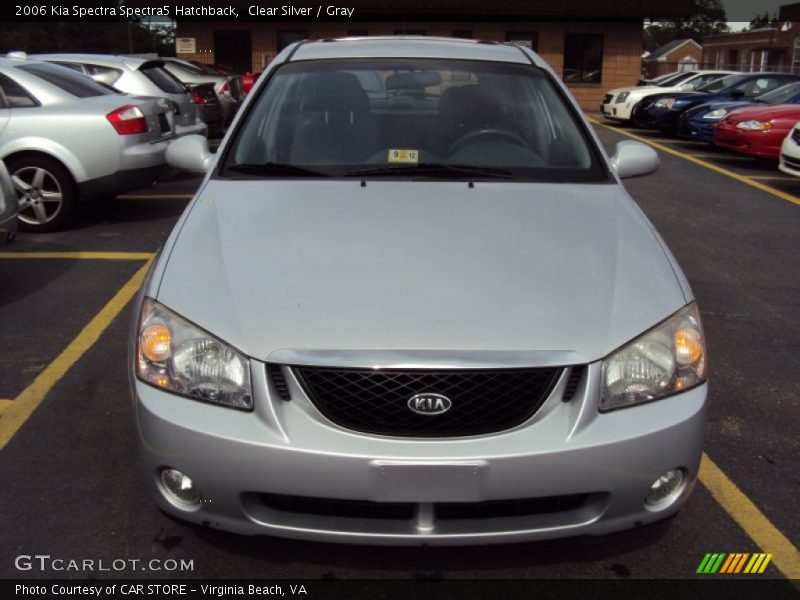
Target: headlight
[665,103]
[668,359]
[754,126]
[622,97]
[174,355]
[716,114]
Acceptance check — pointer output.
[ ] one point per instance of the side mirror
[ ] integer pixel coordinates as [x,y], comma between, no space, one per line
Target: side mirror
[190,153]
[633,159]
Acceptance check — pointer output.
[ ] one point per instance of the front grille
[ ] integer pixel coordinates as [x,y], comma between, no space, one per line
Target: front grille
[377,401]
[790,162]
[451,511]
[796,136]
[607,98]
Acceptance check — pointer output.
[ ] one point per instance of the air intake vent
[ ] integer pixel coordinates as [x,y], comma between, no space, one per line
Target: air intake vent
[275,375]
[575,376]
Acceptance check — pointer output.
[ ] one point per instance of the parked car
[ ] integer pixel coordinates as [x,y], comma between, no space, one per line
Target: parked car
[227,87]
[662,111]
[618,104]
[9,207]
[660,79]
[391,339]
[248,81]
[140,77]
[65,137]
[700,122]
[757,131]
[789,161]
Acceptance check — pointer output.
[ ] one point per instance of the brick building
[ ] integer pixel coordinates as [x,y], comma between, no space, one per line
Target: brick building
[764,49]
[594,46]
[676,55]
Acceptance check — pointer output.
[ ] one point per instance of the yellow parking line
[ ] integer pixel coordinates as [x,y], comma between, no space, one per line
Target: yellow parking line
[5,402]
[722,171]
[14,415]
[776,178]
[754,523]
[723,156]
[155,197]
[80,255]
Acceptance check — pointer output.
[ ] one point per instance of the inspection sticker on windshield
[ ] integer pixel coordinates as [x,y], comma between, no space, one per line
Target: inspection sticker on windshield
[408,157]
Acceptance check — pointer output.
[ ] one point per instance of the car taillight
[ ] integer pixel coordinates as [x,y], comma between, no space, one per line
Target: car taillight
[223,89]
[128,120]
[197,98]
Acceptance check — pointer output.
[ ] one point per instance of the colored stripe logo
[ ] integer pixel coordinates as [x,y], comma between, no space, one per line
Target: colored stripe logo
[734,563]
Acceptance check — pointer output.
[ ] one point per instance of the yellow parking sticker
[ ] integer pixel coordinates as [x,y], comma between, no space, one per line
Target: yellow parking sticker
[406,157]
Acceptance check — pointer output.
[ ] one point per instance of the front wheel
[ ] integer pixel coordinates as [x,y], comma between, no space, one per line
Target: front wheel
[46,193]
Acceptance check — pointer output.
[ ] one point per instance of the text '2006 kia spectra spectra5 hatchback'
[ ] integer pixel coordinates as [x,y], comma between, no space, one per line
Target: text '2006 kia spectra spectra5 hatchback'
[412,303]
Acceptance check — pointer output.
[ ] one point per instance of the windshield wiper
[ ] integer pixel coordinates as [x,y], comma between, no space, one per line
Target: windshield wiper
[435,170]
[277,169]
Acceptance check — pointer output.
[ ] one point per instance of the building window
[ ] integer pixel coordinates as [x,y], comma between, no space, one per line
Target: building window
[357,33]
[287,37]
[583,57]
[529,39]
[462,33]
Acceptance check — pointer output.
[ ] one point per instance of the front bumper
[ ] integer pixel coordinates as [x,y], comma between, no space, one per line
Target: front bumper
[617,111]
[287,448]
[692,129]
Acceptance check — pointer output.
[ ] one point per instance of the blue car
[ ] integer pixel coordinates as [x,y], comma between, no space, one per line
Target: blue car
[699,123]
[662,111]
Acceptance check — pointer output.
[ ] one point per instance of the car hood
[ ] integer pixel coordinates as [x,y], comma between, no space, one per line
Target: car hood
[766,112]
[638,88]
[711,106]
[329,265]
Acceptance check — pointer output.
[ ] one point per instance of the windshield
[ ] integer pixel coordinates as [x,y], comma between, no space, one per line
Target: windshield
[720,84]
[676,79]
[782,95]
[412,118]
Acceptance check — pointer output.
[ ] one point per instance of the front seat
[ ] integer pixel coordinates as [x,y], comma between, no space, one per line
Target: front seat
[335,124]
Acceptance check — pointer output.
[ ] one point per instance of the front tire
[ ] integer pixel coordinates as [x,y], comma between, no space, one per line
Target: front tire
[46,192]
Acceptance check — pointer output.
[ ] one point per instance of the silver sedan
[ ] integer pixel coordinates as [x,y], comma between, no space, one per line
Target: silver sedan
[426,316]
[65,137]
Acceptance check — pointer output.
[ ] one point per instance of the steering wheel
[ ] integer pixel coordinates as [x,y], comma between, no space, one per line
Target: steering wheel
[489,132]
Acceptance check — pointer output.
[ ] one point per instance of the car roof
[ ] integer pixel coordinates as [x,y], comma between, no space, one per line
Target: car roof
[413,47]
[109,60]
[17,62]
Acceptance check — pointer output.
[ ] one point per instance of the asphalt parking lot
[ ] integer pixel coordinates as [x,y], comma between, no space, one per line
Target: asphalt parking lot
[68,458]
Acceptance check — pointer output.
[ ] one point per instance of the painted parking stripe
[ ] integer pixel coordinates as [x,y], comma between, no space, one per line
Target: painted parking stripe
[79,255]
[755,524]
[14,414]
[721,170]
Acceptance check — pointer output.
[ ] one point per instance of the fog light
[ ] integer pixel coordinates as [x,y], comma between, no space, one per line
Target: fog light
[179,487]
[665,488]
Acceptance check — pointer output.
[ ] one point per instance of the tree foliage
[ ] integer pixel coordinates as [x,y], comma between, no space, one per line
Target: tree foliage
[710,19]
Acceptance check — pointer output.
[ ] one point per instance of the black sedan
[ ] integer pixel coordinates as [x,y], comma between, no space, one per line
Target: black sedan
[662,111]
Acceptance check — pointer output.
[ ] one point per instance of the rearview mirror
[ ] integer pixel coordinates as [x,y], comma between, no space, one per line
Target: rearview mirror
[633,159]
[190,153]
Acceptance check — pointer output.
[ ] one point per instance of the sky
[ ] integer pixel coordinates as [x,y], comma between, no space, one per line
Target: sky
[741,11]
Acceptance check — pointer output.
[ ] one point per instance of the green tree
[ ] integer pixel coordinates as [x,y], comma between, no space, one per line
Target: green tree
[709,19]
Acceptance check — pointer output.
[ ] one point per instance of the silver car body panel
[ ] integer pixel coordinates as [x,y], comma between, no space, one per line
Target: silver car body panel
[76,132]
[133,81]
[329,273]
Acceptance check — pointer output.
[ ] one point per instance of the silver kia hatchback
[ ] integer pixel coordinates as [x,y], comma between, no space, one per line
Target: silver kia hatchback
[424,313]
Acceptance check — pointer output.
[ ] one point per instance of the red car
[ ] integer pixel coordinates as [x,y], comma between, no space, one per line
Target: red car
[248,81]
[758,130]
